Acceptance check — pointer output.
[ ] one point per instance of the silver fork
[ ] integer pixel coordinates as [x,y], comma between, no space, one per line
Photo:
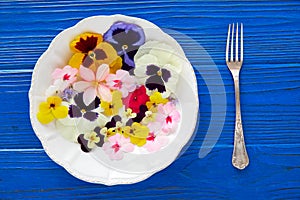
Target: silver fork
[240,158]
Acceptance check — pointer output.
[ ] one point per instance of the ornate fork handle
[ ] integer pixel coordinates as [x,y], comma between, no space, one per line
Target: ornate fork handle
[240,158]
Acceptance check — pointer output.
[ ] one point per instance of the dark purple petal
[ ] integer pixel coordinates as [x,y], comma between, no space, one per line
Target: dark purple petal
[152,70]
[93,105]
[128,64]
[139,117]
[83,143]
[91,116]
[86,45]
[166,74]
[74,111]
[97,129]
[79,102]
[87,61]
[155,82]
[100,54]
[112,123]
[101,141]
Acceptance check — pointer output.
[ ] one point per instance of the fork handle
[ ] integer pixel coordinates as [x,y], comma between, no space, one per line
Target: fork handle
[240,158]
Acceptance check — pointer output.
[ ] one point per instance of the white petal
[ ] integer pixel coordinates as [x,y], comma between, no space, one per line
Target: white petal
[52,90]
[86,73]
[146,60]
[81,85]
[145,49]
[89,95]
[102,72]
[104,93]
[68,132]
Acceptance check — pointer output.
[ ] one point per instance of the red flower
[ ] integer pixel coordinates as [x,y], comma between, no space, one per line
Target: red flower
[135,99]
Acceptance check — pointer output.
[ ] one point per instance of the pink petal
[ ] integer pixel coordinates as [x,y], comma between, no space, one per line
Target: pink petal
[117,156]
[122,75]
[81,86]
[72,80]
[104,93]
[86,74]
[169,107]
[72,71]
[57,73]
[175,116]
[89,95]
[102,72]
[128,147]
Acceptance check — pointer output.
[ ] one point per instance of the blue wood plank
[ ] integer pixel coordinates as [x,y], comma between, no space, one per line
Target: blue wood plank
[270,86]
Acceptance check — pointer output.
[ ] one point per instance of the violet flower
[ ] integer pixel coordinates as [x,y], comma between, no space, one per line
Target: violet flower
[126,38]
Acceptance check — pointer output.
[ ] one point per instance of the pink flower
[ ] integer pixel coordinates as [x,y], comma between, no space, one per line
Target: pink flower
[168,116]
[64,77]
[93,84]
[121,81]
[155,142]
[116,146]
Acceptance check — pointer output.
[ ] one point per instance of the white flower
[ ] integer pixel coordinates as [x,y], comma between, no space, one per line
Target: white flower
[158,65]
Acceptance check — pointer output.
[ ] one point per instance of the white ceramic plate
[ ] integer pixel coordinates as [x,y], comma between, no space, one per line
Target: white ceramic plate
[86,166]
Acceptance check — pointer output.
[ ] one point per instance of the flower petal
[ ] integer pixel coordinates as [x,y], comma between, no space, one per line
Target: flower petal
[104,93]
[74,111]
[60,112]
[89,95]
[81,86]
[44,107]
[155,82]
[76,60]
[91,116]
[87,74]
[102,72]
[45,118]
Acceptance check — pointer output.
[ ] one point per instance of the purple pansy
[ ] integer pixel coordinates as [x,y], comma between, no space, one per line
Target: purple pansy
[90,140]
[126,38]
[157,78]
[80,109]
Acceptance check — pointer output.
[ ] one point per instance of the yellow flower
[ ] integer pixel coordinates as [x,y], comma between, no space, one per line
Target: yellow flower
[52,109]
[112,108]
[137,133]
[155,99]
[82,45]
[149,117]
[90,51]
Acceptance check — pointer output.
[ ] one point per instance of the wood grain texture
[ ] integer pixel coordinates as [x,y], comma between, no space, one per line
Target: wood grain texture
[270,96]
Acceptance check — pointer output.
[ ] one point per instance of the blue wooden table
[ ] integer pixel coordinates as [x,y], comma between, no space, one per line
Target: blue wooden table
[270,95]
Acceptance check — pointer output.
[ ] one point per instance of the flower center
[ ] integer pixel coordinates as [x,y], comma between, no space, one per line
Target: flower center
[159,73]
[93,138]
[151,137]
[95,84]
[169,120]
[91,54]
[116,147]
[66,77]
[52,105]
[83,110]
[124,47]
[118,83]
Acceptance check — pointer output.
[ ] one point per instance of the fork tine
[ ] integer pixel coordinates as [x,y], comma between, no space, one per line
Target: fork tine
[242,42]
[227,44]
[237,43]
[231,50]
